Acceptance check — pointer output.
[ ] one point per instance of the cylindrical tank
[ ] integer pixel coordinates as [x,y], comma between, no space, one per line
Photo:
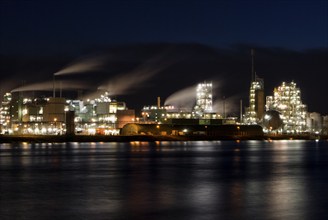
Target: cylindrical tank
[272,120]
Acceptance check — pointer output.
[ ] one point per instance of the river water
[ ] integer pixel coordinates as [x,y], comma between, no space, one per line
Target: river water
[165,180]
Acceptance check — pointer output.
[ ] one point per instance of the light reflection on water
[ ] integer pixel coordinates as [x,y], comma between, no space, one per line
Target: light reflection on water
[165,180]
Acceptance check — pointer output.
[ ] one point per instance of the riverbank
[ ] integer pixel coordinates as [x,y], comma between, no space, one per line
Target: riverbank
[120,138]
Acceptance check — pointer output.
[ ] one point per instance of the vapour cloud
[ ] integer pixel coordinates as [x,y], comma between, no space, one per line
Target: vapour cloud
[186,98]
[183,99]
[226,105]
[125,83]
[49,85]
[88,64]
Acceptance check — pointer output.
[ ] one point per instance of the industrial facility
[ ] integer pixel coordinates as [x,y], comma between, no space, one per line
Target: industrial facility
[287,101]
[201,113]
[57,116]
[201,120]
[282,113]
[254,113]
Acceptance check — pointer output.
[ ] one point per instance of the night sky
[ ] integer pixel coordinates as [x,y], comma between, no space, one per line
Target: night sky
[144,49]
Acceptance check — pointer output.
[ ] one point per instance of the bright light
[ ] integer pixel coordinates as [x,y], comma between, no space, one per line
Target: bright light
[92,131]
[24,111]
[267,117]
[43,130]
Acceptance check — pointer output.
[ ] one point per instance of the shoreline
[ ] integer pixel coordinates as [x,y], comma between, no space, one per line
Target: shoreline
[147,138]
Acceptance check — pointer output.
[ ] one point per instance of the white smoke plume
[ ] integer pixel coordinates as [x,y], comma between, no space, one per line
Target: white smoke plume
[226,105]
[186,98]
[88,64]
[125,83]
[49,85]
[183,99]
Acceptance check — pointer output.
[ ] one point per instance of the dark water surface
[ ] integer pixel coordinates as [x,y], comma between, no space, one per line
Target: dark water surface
[165,180]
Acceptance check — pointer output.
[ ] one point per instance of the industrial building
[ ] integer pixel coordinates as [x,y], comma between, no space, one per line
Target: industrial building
[287,101]
[255,112]
[324,125]
[202,110]
[314,122]
[55,115]
[282,113]
[5,113]
[204,102]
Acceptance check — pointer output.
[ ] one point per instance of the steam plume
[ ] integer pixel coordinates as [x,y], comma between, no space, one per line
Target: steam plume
[125,83]
[226,105]
[183,99]
[48,86]
[84,65]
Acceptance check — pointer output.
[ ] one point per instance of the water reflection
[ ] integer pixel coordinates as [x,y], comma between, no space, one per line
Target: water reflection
[165,180]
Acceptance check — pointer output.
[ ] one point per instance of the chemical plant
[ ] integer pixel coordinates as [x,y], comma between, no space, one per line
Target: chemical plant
[56,116]
[283,113]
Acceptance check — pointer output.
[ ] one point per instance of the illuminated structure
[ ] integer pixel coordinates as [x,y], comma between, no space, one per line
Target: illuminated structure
[5,114]
[314,122]
[271,121]
[101,115]
[287,101]
[255,112]
[38,115]
[24,115]
[203,100]
[325,125]
[202,112]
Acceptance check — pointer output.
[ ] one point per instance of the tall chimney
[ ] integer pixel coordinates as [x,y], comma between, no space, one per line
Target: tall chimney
[241,111]
[253,69]
[53,87]
[158,102]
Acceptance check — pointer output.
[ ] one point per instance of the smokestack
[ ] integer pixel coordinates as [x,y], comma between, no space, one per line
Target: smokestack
[224,108]
[53,86]
[79,94]
[158,102]
[241,110]
[253,69]
[60,89]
